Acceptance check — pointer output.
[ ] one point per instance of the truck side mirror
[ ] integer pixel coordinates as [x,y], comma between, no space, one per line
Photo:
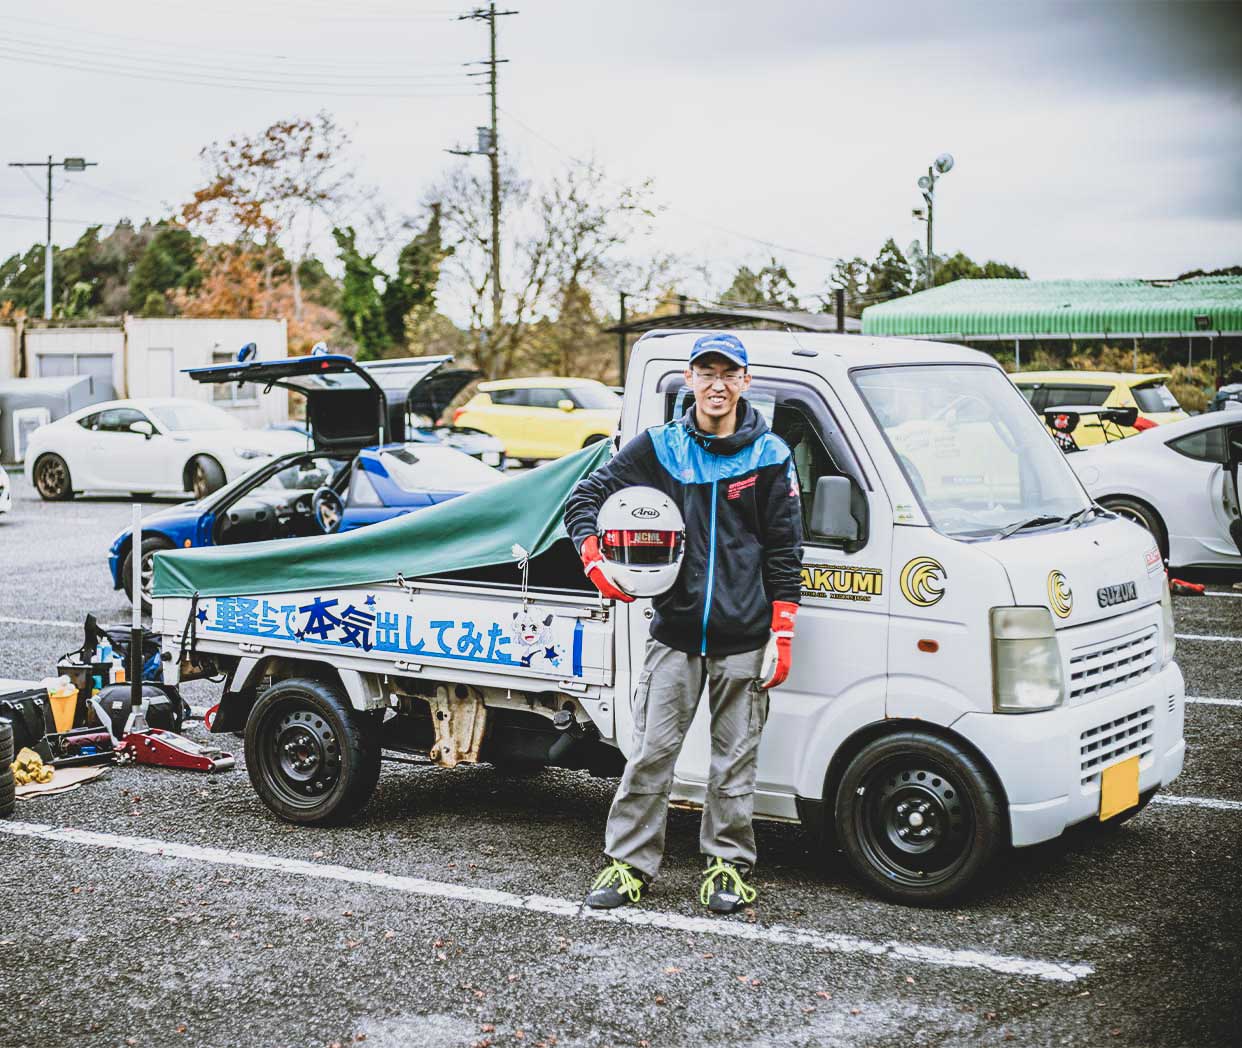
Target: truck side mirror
[838,514]
[565,405]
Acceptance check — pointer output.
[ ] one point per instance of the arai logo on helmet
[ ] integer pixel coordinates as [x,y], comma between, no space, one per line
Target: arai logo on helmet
[644,511]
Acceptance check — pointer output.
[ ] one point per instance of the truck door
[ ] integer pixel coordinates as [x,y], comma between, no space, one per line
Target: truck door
[840,651]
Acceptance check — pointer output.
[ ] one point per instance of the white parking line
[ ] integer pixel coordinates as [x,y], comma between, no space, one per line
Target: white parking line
[1198,802]
[1212,702]
[1204,636]
[42,622]
[1221,593]
[776,935]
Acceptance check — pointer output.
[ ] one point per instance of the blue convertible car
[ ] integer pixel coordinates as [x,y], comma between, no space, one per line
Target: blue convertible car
[360,469]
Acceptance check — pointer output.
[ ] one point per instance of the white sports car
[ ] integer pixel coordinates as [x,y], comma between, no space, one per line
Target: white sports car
[147,446]
[1179,481]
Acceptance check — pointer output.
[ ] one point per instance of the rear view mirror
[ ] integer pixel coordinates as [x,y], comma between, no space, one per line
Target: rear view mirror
[565,405]
[144,427]
[839,513]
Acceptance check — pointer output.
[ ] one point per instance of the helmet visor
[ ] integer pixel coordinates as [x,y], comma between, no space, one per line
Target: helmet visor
[640,547]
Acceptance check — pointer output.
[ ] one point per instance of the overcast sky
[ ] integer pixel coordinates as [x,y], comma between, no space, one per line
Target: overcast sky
[1092,139]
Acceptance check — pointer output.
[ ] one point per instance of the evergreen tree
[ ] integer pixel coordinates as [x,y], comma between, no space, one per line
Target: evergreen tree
[410,295]
[362,306]
[890,275]
[770,286]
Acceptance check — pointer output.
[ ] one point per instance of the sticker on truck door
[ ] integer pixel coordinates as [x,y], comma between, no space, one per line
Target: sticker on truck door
[841,582]
[922,581]
[1060,596]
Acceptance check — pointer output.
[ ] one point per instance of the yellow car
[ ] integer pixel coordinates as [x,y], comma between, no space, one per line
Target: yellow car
[542,418]
[1113,389]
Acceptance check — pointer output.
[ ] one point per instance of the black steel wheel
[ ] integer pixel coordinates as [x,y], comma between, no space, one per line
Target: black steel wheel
[918,817]
[311,757]
[52,480]
[206,476]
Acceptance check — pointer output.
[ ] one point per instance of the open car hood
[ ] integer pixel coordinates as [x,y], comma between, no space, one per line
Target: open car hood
[348,405]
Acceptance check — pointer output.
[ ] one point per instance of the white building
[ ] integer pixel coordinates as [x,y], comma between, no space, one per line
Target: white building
[146,357]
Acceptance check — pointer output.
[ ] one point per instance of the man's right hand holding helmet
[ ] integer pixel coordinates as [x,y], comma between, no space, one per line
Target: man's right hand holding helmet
[596,569]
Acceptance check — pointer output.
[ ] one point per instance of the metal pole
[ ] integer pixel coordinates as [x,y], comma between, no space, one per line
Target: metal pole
[135,633]
[1017,354]
[1134,366]
[839,305]
[47,251]
[621,344]
[494,159]
[931,251]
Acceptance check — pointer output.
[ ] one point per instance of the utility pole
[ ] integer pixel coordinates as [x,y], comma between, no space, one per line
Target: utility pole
[488,144]
[70,163]
[942,165]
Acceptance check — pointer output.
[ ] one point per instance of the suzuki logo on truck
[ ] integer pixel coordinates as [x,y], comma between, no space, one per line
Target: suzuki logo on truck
[1118,594]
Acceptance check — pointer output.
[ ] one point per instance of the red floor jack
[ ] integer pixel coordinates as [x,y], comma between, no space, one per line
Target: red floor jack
[133,739]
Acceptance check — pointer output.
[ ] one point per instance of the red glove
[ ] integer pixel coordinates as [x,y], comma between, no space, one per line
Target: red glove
[778,658]
[596,569]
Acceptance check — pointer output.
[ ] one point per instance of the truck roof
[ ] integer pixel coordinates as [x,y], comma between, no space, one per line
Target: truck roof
[788,347]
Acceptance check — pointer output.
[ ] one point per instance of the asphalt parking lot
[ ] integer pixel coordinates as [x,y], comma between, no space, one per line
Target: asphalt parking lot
[160,907]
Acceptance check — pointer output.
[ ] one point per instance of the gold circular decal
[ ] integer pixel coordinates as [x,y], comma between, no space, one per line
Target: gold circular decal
[922,581]
[1060,596]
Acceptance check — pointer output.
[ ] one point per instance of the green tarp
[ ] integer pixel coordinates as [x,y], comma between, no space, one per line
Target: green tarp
[472,531]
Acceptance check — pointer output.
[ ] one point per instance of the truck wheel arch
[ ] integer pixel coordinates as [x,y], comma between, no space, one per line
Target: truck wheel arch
[816,813]
[241,690]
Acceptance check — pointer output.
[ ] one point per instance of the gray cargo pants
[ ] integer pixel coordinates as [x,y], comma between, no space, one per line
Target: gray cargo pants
[664,704]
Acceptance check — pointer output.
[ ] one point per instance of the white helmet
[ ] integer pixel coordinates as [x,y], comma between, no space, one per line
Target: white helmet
[641,537]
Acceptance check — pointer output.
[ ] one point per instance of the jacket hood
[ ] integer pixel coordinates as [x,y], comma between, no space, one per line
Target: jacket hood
[750,427]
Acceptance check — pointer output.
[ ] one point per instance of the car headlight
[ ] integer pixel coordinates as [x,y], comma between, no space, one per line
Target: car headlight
[491,458]
[251,453]
[1026,661]
[1166,625]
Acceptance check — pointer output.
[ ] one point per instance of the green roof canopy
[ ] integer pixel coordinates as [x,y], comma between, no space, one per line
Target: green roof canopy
[1013,309]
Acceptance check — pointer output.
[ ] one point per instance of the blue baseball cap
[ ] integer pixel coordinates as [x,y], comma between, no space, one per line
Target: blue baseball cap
[728,346]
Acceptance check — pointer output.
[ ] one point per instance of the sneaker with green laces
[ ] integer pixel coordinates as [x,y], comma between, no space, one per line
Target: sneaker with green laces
[619,885]
[723,889]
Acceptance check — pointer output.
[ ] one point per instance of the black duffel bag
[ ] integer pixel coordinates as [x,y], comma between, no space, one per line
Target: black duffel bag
[30,714]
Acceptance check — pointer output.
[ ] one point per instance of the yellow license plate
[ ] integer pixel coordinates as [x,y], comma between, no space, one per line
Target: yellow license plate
[1119,787]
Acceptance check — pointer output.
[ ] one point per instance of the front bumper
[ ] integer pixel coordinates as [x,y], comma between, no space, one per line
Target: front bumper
[1049,763]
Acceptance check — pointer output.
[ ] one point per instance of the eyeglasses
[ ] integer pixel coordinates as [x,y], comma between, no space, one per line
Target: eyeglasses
[707,378]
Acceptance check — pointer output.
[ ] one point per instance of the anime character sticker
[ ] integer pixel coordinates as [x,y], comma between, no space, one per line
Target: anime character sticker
[531,630]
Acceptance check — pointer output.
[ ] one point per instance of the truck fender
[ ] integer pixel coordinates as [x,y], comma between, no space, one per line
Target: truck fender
[834,722]
[924,699]
[365,690]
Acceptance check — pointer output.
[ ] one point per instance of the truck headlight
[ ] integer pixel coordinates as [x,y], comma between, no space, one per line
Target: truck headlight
[1026,661]
[1166,625]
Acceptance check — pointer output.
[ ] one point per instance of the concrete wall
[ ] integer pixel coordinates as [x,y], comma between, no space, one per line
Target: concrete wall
[9,361]
[147,358]
[159,350]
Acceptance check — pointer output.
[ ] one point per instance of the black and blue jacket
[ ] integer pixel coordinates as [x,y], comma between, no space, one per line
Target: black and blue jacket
[739,498]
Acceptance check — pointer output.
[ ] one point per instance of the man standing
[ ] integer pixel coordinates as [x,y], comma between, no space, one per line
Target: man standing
[727,622]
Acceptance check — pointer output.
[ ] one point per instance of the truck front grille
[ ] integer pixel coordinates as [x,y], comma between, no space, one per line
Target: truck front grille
[1115,740]
[1106,665]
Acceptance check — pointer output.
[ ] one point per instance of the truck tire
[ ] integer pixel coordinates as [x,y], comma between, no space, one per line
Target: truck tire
[6,744]
[205,475]
[942,797]
[311,757]
[150,547]
[51,477]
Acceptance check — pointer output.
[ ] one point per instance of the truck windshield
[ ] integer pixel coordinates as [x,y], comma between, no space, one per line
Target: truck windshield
[977,457]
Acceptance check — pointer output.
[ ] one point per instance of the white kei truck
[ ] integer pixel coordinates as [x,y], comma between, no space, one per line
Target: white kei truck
[983,657]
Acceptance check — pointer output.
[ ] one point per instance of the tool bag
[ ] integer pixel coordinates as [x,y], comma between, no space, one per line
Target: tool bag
[30,714]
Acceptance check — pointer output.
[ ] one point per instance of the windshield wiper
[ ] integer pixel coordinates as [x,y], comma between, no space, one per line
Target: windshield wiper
[1083,515]
[1022,525]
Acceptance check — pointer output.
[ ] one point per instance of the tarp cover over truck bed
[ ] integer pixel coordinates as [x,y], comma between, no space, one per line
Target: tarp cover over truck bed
[476,530]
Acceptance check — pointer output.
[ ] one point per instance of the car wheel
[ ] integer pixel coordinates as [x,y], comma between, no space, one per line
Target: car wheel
[918,817]
[206,476]
[311,757]
[150,547]
[1142,515]
[594,438]
[51,477]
